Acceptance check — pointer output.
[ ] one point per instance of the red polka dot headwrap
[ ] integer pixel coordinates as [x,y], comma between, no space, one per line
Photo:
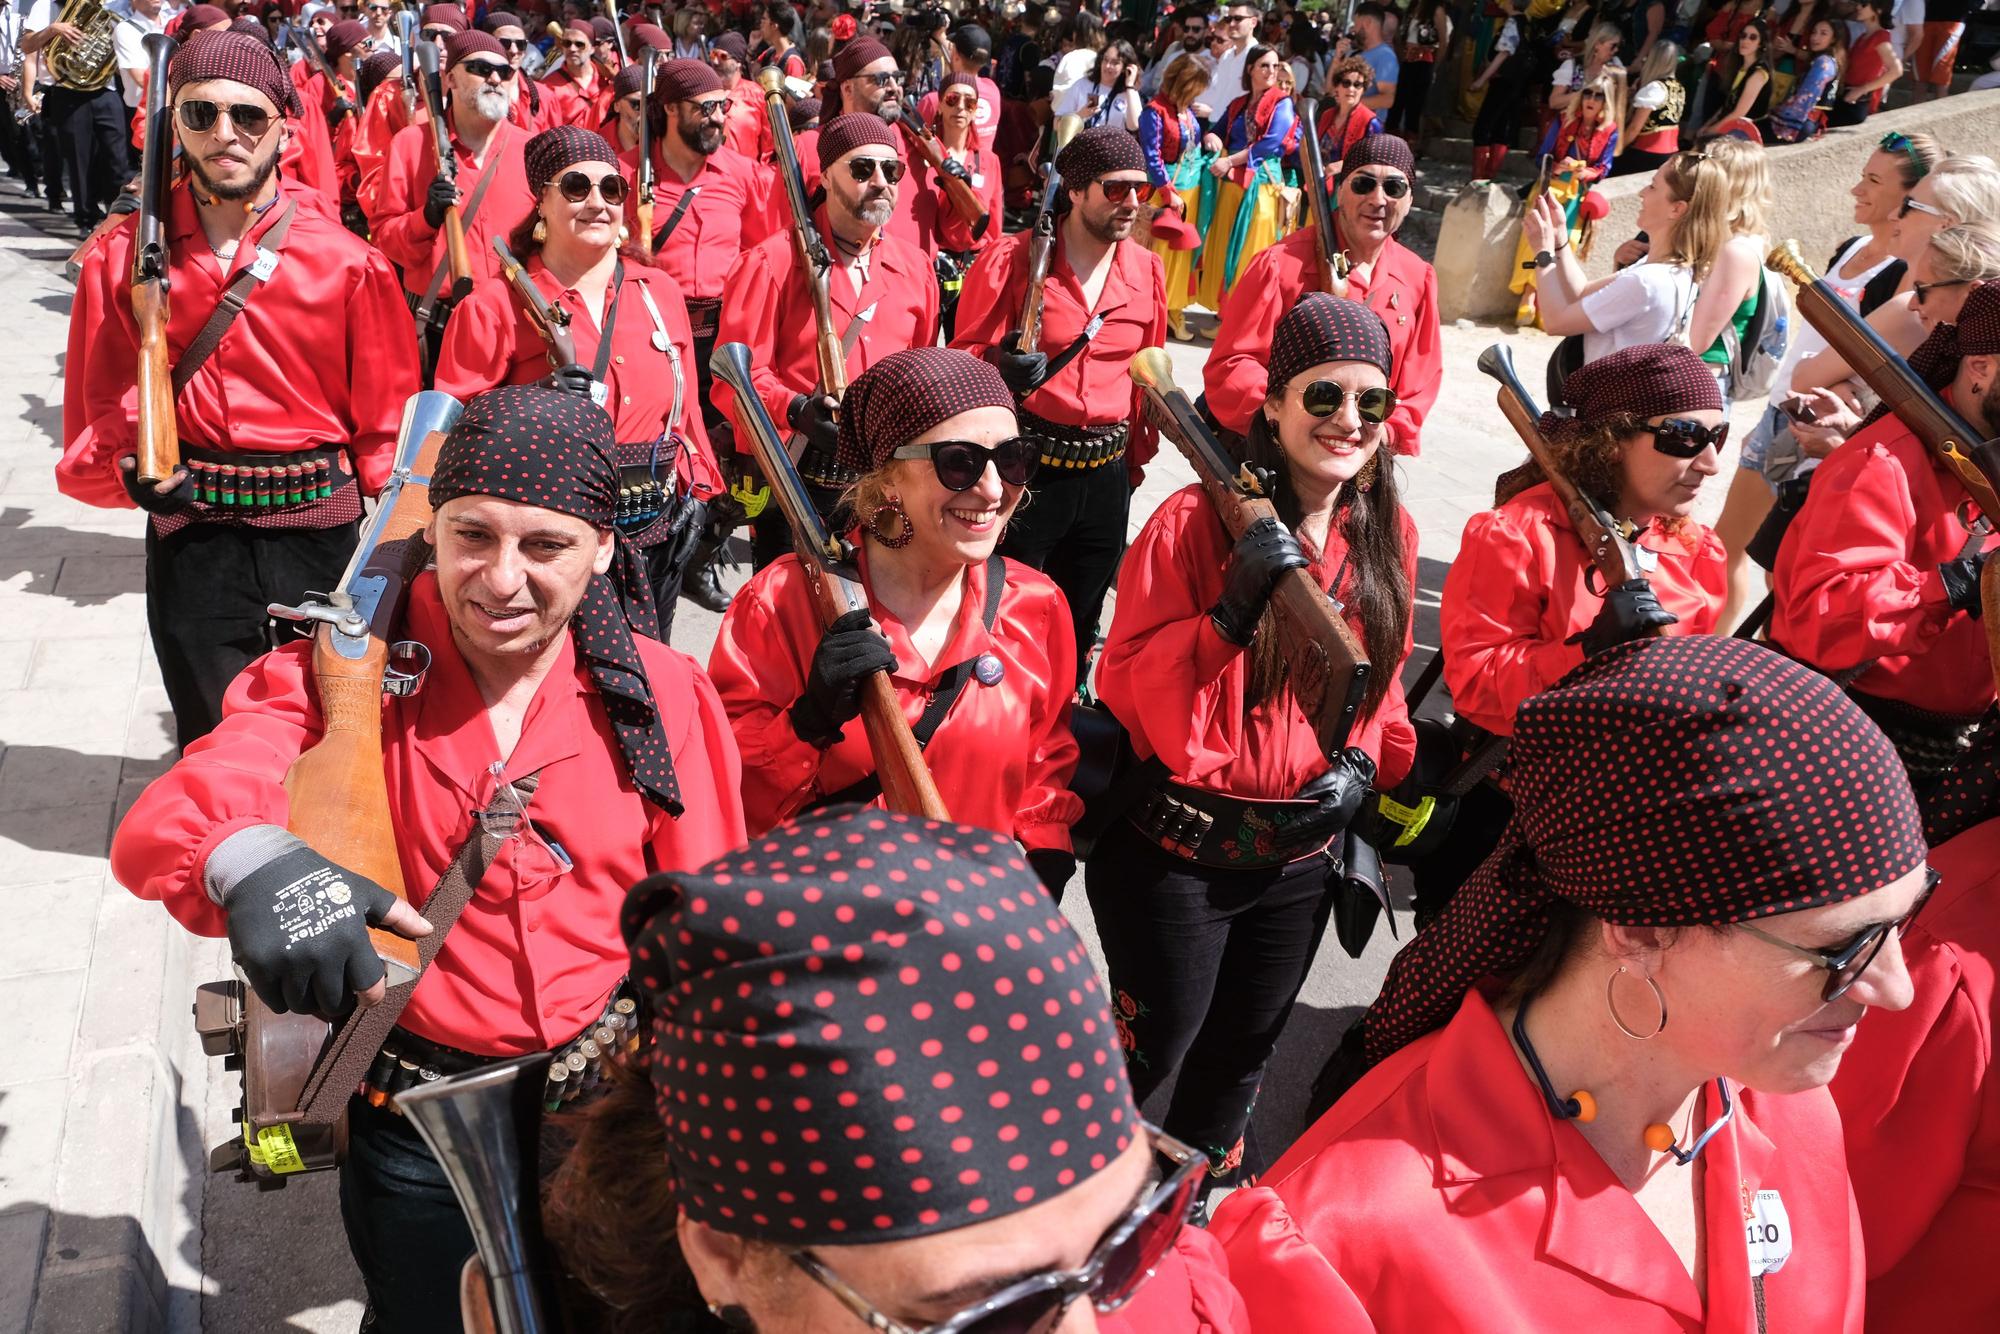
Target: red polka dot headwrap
[907,393]
[1098,152]
[869,1026]
[541,447]
[1681,781]
[1320,328]
[1644,380]
[560,147]
[238,57]
[1976,334]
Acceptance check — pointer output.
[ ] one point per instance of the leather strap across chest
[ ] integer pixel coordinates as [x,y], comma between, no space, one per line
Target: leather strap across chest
[235,297]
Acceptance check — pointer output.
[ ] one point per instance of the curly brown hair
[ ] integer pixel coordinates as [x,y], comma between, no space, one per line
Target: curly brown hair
[1592,459]
[1351,65]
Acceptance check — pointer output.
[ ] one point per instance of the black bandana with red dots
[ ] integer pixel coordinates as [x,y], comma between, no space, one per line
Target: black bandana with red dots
[1098,152]
[871,1026]
[1644,380]
[1976,333]
[1681,781]
[907,393]
[1320,328]
[540,447]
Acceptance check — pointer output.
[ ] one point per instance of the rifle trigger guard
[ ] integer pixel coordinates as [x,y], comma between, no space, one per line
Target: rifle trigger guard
[1975,523]
[409,662]
[1593,581]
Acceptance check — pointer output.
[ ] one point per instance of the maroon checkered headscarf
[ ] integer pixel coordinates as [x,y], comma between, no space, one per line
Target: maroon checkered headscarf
[343,37]
[443,16]
[1098,152]
[219,54]
[857,129]
[541,447]
[856,56]
[1644,380]
[652,35]
[1688,780]
[907,393]
[1380,150]
[685,81]
[463,46]
[630,80]
[731,44]
[870,1026]
[1320,328]
[560,147]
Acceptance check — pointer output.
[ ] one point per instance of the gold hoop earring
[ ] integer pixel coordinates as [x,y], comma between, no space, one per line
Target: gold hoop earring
[541,229]
[1611,1004]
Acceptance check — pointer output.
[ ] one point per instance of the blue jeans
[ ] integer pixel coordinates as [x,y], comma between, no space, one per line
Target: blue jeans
[404,1225]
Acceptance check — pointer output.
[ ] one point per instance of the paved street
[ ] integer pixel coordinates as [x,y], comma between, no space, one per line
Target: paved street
[107,1218]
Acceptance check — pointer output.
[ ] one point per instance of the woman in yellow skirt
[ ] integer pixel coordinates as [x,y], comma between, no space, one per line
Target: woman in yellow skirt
[1575,154]
[1257,131]
[1170,137]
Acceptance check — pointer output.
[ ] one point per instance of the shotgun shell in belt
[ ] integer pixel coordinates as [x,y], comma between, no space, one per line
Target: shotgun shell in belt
[204,481]
[384,1067]
[262,483]
[325,471]
[552,1093]
[626,1006]
[294,483]
[228,483]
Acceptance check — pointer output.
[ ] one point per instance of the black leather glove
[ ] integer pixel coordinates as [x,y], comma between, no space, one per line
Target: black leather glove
[440,197]
[1265,551]
[1339,793]
[812,416]
[1629,612]
[953,167]
[178,497]
[1023,371]
[850,651]
[298,923]
[1055,867]
[1961,582]
[571,379]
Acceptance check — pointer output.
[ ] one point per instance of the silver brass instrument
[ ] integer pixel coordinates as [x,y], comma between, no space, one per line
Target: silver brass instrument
[485,1127]
[88,63]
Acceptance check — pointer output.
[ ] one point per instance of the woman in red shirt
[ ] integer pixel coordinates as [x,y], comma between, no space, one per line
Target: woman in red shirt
[1597,1095]
[984,642]
[1872,65]
[957,246]
[635,351]
[1213,891]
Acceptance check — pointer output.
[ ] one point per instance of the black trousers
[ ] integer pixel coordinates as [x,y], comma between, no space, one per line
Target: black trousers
[1072,528]
[668,561]
[21,147]
[207,587]
[404,1226]
[1205,965]
[1413,89]
[1476,827]
[90,127]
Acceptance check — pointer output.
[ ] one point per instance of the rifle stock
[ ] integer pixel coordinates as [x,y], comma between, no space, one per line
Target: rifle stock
[456,253]
[835,584]
[1332,260]
[551,322]
[158,444]
[1042,249]
[1325,665]
[965,200]
[815,264]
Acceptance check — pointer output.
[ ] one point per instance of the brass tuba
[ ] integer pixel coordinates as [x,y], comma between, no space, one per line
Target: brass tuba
[88,63]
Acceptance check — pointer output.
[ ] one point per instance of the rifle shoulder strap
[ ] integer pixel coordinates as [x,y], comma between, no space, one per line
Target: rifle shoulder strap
[234,297]
[674,219]
[1076,345]
[486,178]
[344,1063]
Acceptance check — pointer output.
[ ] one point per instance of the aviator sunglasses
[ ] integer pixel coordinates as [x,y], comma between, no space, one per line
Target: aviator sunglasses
[575,187]
[1685,438]
[1393,186]
[1123,1260]
[863,169]
[200,116]
[961,463]
[1324,398]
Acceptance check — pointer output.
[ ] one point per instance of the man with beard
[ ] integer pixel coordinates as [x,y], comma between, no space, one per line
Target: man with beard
[530,107]
[1105,299]
[388,112]
[1371,200]
[870,83]
[313,372]
[491,188]
[883,292]
[577,93]
[1193,42]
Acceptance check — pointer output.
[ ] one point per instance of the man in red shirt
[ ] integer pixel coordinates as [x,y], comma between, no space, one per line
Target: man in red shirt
[529,106]
[870,83]
[312,373]
[727,56]
[1104,300]
[884,297]
[1372,200]
[537,618]
[577,93]
[1877,583]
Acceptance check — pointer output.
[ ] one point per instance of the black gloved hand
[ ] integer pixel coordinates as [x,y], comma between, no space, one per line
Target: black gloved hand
[812,416]
[953,167]
[1023,371]
[176,498]
[1339,793]
[1055,867]
[1961,582]
[298,923]
[1265,551]
[850,651]
[440,197]
[570,379]
[1629,612]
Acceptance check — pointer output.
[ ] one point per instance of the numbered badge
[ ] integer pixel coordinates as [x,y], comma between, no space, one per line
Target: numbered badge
[1769,1233]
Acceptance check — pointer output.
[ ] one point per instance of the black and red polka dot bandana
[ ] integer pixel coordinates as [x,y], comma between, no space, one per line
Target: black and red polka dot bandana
[1320,328]
[540,447]
[1644,380]
[907,393]
[1096,153]
[560,147]
[870,1026]
[1682,781]
[1977,333]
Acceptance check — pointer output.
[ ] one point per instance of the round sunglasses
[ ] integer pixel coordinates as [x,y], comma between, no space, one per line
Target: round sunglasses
[1323,398]
[575,187]
[961,463]
[1685,438]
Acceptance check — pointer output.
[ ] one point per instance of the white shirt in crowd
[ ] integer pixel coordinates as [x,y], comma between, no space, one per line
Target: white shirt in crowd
[1070,69]
[1226,83]
[1110,104]
[128,40]
[1647,303]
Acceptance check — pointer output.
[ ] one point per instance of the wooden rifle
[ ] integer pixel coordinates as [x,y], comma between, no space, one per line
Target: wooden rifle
[551,322]
[315,55]
[158,438]
[965,201]
[1974,463]
[1042,249]
[648,182]
[339,805]
[1333,263]
[1607,540]
[1325,664]
[815,262]
[617,31]
[456,253]
[834,580]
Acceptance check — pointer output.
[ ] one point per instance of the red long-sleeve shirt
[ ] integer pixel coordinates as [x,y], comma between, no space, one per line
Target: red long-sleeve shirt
[567,102]
[1096,388]
[1517,592]
[1921,1109]
[731,212]
[382,119]
[537,949]
[1003,755]
[767,307]
[419,248]
[491,341]
[323,353]
[1857,578]
[744,130]
[1178,686]
[950,231]
[1402,289]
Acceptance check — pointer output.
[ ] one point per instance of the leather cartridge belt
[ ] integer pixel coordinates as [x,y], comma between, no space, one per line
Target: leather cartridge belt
[262,483]
[1075,447]
[647,478]
[1228,833]
[818,467]
[1930,744]
[704,317]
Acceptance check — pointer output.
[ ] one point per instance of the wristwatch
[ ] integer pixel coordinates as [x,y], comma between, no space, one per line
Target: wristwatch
[1544,258]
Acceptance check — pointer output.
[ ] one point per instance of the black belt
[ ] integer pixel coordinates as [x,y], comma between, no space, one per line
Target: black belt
[1229,833]
[646,483]
[577,1066]
[1930,744]
[1076,447]
[236,480]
